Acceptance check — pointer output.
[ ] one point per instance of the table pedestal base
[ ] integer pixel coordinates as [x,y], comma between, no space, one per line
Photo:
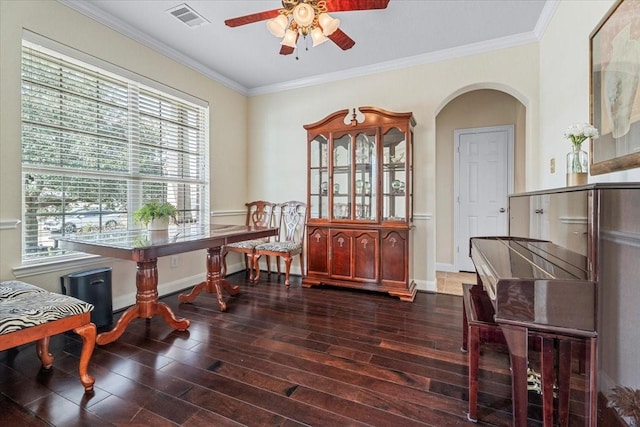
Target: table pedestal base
[214,283]
[146,306]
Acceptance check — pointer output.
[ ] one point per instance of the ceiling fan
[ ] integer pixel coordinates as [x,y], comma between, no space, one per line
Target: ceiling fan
[308,17]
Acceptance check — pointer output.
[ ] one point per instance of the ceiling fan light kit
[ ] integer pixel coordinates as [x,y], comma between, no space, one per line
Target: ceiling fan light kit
[302,18]
[303,14]
[290,38]
[308,17]
[317,37]
[278,26]
[329,25]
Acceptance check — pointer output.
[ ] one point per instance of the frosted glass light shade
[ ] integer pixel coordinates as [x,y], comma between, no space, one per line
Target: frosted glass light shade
[329,25]
[303,14]
[277,26]
[290,38]
[317,37]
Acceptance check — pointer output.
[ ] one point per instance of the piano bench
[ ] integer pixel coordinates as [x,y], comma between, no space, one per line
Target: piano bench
[478,326]
[477,310]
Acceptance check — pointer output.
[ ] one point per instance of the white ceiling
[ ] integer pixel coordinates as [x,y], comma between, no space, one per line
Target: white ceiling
[247,58]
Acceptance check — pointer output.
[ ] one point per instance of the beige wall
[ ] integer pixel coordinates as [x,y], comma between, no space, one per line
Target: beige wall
[478,108]
[564,88]
[228,134]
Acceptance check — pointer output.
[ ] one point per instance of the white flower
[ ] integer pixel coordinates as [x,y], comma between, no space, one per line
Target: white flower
[579,132]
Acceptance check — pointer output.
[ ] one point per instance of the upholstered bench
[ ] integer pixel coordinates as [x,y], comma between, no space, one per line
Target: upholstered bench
[29,313]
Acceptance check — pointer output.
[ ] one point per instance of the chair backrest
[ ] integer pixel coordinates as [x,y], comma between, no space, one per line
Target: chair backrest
[292,218]
[260,214]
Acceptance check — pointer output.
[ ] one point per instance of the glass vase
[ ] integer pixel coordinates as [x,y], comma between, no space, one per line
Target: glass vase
[577,164]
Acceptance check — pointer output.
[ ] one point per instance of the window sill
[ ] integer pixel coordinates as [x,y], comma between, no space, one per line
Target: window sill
[68,263]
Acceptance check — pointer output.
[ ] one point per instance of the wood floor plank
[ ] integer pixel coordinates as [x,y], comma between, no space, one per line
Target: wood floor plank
[277,357]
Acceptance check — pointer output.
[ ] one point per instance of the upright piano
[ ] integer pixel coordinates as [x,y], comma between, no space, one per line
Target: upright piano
[538,290]
[592,235]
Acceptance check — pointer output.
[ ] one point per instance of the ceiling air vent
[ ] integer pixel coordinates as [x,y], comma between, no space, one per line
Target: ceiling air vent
[187,15]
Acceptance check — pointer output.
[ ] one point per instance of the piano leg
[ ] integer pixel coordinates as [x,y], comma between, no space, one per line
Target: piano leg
[592,395]
[516,337]
[547,368]
[564,381]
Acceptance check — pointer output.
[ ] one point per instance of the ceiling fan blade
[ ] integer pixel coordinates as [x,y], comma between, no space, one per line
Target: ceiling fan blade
[254,17]
[341,39]
[346,5]
[286,50]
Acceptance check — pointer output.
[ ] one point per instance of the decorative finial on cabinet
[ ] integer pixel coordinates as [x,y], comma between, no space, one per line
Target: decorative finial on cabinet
[354,121]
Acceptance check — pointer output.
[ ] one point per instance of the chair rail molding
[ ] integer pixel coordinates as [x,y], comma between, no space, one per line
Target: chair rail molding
[6,224]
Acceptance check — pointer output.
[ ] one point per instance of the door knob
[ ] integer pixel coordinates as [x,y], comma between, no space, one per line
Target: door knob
[539,211]
[502,210]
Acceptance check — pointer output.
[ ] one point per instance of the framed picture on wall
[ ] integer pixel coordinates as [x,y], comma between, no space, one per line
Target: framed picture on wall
[615,90]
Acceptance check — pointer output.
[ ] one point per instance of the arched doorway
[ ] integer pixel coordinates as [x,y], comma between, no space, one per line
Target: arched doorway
[476,108]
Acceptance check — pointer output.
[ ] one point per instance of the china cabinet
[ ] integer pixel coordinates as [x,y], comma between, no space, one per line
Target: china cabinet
[359,198]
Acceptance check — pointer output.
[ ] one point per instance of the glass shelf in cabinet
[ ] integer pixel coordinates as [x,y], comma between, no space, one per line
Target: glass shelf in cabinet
[394,166]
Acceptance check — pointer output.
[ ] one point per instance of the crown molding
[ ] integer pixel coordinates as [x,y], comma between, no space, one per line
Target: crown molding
[548,11]
[88,9]
[397,64]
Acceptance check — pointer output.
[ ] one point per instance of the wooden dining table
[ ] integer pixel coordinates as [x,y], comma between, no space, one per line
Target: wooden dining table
[145,247]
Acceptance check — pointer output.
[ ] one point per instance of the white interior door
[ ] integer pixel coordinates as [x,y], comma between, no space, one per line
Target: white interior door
[484,179]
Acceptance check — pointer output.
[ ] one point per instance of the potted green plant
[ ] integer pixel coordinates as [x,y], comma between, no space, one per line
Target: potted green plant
[155,215]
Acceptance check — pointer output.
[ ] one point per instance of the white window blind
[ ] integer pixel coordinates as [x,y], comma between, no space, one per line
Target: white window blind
[95,146]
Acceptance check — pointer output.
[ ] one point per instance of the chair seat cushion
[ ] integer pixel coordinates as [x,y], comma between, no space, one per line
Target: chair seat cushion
[15,288]
[35,308]
[247,244]
[292,248]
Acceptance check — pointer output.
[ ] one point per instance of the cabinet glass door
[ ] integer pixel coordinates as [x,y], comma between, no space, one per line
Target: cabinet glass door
[342,176]
[394,176]
[365,176]
[319,177]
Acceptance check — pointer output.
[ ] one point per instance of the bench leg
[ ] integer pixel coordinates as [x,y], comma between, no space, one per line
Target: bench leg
[88,334]
[474,356]
[42,348]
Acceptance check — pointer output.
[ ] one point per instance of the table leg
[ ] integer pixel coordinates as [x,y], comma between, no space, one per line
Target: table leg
[516,337]
[146,306]
[214,283]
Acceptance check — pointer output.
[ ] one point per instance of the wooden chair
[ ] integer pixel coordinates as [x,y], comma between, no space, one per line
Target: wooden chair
[260,214]
[292,219]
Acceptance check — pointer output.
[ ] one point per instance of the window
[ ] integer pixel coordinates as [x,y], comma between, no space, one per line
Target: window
[96,145]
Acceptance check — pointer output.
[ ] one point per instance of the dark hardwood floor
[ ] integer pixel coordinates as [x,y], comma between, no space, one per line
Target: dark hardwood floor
[277,357]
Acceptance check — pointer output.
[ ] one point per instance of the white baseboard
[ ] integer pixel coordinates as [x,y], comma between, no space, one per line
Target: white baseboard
[126,300]
[426,285]
[445,267]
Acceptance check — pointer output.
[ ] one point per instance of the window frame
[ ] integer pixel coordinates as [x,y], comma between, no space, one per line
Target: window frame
[133,178]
